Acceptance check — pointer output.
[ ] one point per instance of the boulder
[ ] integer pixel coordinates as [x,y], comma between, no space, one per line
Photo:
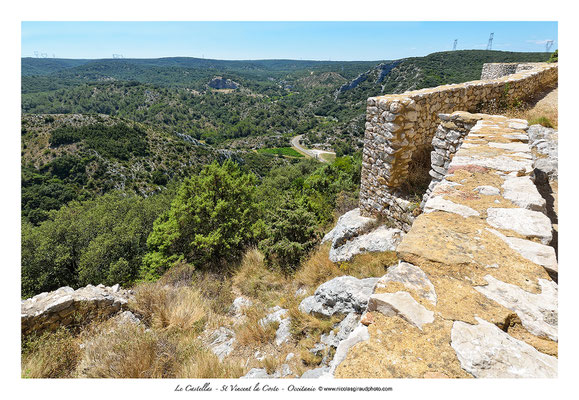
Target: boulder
[344,329]
[486,351]
[344,294]
[349,225]
[381,239]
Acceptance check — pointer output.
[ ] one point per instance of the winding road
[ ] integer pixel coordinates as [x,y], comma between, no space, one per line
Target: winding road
[313,153]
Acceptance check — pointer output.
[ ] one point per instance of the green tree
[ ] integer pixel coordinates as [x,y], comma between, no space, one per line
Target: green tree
[291,235]
[212,219]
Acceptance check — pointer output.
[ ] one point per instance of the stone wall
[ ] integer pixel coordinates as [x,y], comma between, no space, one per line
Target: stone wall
[474,294]
[50,310]
[398,125]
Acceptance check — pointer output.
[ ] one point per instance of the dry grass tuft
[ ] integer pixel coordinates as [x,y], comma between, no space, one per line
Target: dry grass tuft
[256,280]
[52,355]
[169,307]
[205,364]
[130,351]
[252,333]
[317,269]
[369,264]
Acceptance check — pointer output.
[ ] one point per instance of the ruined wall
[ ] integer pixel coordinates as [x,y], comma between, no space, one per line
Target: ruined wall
[475,293]
[398,125]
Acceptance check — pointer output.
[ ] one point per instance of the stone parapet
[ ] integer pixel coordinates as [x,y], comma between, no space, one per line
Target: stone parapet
[399,124]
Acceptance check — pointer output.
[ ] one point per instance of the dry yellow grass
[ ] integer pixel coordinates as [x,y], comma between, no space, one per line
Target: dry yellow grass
[205,364]
[254,279]
[168,307]
[53,355]
[317,269]
[251,332]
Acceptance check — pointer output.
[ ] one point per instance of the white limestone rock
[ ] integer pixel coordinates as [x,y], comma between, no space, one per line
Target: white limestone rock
[238,305]
[523,192]
[412,277]
[403,305]
[532,251]
[360,334]
[380,239]
[500,163]
[513,147]
[282,333]
[487,190]
[538,312]
[438,203]
[345,327]
[349,225]
[486,351]
[344,294]
[222,342]
[529,223]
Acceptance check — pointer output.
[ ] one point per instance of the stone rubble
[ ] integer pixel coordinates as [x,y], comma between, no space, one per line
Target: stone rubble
[49,310]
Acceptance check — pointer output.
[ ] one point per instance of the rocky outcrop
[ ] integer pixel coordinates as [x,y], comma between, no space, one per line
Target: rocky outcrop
[355,234]
[341,295]
[222,341]
[65,306]
[380,239]
[222,83]
[279,315]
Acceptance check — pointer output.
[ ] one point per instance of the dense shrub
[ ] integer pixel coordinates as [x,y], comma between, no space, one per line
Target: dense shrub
[212,219]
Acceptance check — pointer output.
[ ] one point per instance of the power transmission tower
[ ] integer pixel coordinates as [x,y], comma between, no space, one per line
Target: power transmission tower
[548,45]
[490,44]
[454,45]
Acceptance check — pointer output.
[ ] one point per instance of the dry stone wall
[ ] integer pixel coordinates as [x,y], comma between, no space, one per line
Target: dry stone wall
[399,124]
[473,295]
[50,310]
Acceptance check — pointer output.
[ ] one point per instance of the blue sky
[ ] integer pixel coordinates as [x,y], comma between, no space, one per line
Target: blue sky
[268,40]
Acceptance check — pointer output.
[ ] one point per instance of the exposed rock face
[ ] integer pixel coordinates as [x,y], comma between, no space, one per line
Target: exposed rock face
[380,239]
[48,311]
[412,277]
[532,224]
[222,341]
[544,141]
[403,305]
[238,305]
[472,295]
[487,352]
[355,234]
[349,225]
[344,294]
[344,328]
[221,83]
[282,333]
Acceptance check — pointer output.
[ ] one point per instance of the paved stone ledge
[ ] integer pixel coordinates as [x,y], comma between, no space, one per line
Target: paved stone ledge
[480,251]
